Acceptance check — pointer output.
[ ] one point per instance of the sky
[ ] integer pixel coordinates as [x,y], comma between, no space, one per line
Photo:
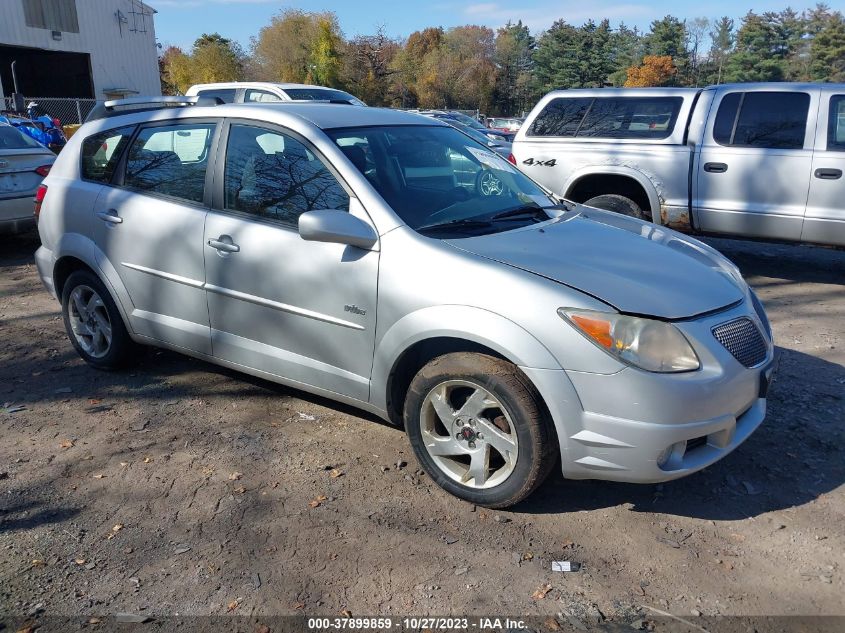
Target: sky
[180,22]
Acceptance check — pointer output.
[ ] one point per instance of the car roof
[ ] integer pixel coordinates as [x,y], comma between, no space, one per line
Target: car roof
[259,84]
[319,114]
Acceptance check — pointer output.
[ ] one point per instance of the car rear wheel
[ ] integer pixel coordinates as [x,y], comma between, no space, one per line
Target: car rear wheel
[479,429]
[93,322]
[618,204]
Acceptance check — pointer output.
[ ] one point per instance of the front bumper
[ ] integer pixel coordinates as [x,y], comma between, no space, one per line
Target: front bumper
[641,427]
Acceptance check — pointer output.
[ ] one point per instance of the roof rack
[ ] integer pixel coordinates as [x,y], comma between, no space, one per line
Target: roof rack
[117,107]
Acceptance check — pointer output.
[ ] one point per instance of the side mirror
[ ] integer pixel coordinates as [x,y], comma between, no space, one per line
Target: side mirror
[338,227]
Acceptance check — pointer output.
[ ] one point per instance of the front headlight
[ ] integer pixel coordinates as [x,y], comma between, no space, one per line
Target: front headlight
[651,345]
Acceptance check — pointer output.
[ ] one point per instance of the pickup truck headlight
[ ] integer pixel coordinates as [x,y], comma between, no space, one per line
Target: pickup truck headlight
[645,343]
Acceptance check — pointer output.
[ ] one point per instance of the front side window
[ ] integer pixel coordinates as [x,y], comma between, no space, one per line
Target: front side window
[170,160]
[836,124]
[275,176]
[608,117]
[321,94]
[260,96]
[101,153]
[771,120]
[442,183]
[226,95]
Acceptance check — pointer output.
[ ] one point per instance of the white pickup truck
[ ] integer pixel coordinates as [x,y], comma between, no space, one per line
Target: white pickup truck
[747,160]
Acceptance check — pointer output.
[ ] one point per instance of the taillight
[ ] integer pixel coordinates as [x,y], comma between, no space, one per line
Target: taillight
[39,198]
[512,159]
[43,170]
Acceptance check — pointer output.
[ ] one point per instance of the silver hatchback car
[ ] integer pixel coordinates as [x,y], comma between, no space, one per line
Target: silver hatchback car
[388,261]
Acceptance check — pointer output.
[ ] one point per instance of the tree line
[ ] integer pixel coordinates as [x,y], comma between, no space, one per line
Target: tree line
[506,70]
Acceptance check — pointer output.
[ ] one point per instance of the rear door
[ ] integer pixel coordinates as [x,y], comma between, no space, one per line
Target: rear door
[824,221]
[149,226]
[753,170]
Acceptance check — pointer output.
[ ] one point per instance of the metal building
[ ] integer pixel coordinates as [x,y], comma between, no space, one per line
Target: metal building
[90,49]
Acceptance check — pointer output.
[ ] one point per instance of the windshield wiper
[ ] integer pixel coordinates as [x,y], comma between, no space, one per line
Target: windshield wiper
[469,223]
[519,212]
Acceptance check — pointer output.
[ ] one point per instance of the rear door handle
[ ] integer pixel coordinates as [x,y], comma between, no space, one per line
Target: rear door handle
[224,244]
[110,216]
[715,168]
[828,174]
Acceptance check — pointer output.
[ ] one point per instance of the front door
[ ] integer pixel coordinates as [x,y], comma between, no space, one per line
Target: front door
[304,311]
[825,218]
[149,226]
[754,164]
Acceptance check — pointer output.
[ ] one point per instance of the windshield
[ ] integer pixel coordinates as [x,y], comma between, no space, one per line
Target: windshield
[10,138]
[441,182]
[321,94]
[475,134]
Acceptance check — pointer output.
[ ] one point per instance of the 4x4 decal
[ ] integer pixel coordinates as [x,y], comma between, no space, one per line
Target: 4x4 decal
[542,163]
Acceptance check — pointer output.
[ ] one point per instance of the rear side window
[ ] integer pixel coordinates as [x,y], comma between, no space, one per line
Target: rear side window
[260,96]
[560,117]
[609,117]
[101,153]
[170,160]
[772,120]
[836,124]
[226,95]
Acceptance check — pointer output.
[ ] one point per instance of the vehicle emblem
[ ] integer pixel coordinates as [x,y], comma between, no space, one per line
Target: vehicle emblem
[354,309]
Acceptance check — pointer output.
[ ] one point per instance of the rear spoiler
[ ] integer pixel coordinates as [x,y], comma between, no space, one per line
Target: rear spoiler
[117,107]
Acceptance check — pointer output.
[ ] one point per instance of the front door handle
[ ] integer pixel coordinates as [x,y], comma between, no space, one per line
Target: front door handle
[224,244]
[715,168]
[828,174]
[110,216]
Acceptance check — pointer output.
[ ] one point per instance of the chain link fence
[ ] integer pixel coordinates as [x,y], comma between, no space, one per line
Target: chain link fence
[69,111]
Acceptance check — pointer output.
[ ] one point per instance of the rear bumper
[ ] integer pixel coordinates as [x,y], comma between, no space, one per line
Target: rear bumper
[16,214]
[45,263]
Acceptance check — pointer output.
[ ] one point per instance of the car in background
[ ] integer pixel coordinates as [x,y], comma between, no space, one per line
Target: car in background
[507,125]
[23,164]
[501,147]
[460,117]
[47,131]
[269,92]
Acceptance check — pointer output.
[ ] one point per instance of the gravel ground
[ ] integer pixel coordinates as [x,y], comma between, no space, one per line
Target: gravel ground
[178,487]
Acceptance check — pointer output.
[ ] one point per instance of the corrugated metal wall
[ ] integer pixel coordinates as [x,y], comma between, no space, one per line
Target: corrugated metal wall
[119,35]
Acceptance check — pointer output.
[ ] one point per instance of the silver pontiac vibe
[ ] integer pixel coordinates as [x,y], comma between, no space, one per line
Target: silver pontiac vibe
[388,261]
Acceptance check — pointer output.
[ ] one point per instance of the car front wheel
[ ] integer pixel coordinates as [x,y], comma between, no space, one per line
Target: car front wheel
[479,429]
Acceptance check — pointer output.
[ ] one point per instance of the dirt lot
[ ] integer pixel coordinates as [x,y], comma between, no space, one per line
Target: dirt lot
[181,488]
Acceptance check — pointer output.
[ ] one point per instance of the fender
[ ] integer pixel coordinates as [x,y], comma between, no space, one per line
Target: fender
[464,322]
[648,185]
[86,250]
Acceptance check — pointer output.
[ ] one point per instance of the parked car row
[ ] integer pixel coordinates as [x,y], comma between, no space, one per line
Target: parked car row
[392,262]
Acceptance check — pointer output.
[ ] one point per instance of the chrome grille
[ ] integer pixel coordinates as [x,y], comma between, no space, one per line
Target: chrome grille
[743,340]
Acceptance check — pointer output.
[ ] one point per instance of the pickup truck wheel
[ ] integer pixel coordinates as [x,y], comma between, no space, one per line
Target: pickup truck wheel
[618,204]
[479,429]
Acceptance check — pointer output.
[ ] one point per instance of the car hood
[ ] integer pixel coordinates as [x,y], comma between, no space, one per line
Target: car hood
[636,267]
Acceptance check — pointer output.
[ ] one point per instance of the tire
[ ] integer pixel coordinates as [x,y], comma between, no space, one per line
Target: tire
[495,412]
[84,294]
[618,204]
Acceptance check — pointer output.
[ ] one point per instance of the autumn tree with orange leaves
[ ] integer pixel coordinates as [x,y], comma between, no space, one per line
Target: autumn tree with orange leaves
[656,70]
